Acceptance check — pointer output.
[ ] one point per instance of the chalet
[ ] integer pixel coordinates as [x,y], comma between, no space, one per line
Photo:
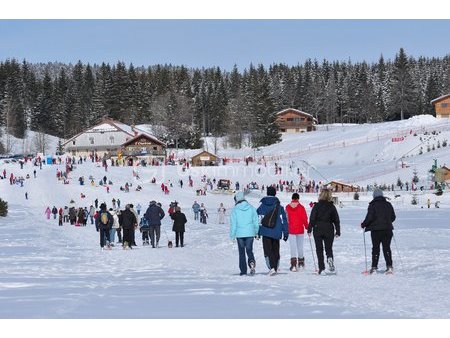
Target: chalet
[341,187]
[295,121]
[204,159]
[107,137]
[442,106]
[143,147]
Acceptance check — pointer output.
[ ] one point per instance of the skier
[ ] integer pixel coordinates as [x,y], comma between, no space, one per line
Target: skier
[378,221]
[154,215]
[221,212]
[324,220]
[196,209]
[179,222]
[203,214]
[272,229]
[297,223]
[54,212]
[138,208]
[47,212]
[129,222]
[244,227]
[103,224]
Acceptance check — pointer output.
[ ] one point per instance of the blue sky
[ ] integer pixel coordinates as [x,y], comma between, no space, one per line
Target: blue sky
[198,43]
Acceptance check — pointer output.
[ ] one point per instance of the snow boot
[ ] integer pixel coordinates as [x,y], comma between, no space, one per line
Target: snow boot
[389,270]
[272,272]
[301,262]
[330,264]
[293,267]
[252,268]
[373,270]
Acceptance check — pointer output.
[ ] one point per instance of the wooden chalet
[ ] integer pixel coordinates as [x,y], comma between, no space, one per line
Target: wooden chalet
[143,147]
[204,159]
[442,106]
[295,121]
[341,187]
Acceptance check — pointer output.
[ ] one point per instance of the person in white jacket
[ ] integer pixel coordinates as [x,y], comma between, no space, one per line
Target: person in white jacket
[221,212]
[115,226]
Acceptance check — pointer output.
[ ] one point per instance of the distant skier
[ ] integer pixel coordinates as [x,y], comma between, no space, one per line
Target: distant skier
[378,221]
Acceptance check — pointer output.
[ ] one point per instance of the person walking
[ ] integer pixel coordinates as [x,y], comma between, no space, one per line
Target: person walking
[273,228]
[54,212]
[324,221]
[244,228]
[179,222]
[221,212]
[196,209]
[103,224]
[379,219]
[129,222]
[154,215]
[203,214]
[48,212]
[138,208]
[115,226]
[297,223]
[91,213]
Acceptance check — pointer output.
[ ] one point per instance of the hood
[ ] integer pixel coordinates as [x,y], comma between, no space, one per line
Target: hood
[294,204]
[243,205]
[378,199]
[270,200]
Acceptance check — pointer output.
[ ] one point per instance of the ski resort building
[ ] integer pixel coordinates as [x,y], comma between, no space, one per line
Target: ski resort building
[295,121]
[204,159]
[442,106]
[341,187]
[108,137]
[143,147]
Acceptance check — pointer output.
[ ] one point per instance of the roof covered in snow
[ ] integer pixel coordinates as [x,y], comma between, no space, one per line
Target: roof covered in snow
[440,98]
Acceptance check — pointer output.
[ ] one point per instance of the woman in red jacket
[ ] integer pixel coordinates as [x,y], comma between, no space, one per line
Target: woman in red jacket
[297,223]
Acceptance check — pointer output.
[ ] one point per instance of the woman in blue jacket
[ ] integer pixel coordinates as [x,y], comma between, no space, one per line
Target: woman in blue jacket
[244,227]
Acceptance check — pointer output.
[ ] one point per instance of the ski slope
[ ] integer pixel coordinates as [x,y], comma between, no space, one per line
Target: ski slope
[48,271]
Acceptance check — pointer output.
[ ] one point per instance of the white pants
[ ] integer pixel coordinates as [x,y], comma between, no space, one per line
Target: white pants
[296,245]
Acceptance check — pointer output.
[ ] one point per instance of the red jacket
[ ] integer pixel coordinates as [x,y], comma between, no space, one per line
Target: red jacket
[297,218]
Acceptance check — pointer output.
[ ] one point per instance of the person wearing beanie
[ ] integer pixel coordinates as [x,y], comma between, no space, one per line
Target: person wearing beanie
[324,220]
[179,222]
[297,223]
[379,218]
[129,223]
[273,228]
[243,228]
[103,224]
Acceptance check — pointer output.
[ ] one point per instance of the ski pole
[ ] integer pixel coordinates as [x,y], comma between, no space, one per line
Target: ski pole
[398,252]
[312,253]
[365,252]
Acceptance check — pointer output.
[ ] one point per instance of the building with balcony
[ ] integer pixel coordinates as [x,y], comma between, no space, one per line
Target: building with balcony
[295,121]
[143,147]
[442,106]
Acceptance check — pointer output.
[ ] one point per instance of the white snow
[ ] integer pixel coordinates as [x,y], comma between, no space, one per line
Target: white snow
[48,271]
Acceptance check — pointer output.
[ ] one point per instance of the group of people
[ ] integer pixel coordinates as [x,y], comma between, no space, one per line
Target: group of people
[290,223]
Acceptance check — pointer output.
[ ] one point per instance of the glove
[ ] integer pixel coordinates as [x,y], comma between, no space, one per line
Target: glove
[285,238]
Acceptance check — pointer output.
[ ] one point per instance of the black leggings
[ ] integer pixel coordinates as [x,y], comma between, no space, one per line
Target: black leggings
[320,239]
[179,238]
[383,237]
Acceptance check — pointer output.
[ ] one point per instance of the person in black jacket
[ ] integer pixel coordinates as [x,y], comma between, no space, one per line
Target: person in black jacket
[324,220]
[154,215]
[179,221]
[378,221]
[103,224]
[129,223]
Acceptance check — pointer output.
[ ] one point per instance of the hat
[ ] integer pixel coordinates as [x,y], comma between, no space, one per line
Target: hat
[239,196]
[271,191]
[103,206]
[377,193]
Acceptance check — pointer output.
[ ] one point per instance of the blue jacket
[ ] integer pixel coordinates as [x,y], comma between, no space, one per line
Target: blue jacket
[281,228]
[196,207]
[244,221]
[154,215]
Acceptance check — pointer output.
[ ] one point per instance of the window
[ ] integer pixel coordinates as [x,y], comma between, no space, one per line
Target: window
[444,105]
[111,139]
[155,148]
[290,119]
[91,140]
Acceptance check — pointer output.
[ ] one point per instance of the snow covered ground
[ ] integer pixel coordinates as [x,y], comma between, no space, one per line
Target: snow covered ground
[48,271]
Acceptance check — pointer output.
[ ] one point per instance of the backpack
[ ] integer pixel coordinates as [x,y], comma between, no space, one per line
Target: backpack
[270,219]
[104,218]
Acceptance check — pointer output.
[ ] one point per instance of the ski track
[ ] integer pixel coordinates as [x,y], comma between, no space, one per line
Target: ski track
[48,271]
